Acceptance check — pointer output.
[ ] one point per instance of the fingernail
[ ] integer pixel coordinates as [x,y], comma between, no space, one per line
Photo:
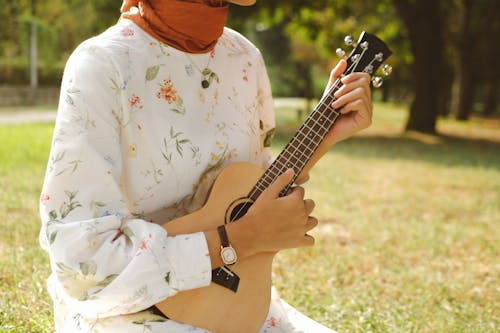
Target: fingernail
[289,171]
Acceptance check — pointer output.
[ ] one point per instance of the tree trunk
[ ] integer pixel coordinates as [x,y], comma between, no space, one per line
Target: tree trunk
[33,48]
[424,20]
[386,91]
[467,88]
[33,55]
[491,103]
[444,101]
[467,82]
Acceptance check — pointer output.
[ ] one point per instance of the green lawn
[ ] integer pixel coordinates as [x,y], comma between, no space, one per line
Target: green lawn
[24,303]
[409,238]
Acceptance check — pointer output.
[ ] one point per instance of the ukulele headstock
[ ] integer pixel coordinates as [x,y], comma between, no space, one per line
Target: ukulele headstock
[368,55]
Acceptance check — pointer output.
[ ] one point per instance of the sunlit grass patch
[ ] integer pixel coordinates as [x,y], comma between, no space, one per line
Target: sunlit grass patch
[409,235]
[24,302]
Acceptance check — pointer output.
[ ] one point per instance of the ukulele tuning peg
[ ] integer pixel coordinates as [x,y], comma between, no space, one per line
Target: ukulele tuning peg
[379,57]
[349,40]
[377,81]
[340,53]
[386,69]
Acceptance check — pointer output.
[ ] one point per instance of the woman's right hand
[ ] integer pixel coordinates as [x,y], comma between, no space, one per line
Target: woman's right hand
[275,223]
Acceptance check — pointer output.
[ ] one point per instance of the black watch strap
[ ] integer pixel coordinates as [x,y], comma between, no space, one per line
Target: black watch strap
[224,240]
[226,278]
[223,275]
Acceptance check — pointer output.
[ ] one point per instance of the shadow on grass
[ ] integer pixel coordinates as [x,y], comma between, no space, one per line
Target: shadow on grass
[441,149]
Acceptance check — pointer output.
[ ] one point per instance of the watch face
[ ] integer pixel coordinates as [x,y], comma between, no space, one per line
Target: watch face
[228,255]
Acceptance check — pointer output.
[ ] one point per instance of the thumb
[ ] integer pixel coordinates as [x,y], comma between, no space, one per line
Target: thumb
[273,191]
[337,71]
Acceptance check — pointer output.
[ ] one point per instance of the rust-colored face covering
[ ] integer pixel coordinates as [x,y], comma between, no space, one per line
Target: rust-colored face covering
[190,26]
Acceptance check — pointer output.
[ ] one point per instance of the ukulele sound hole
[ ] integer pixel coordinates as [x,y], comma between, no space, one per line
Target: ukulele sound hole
[239,210]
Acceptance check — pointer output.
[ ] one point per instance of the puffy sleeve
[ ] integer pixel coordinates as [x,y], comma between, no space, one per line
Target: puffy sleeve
[266,110]
[104,261]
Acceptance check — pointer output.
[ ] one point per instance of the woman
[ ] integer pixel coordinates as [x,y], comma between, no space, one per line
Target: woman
[150,111]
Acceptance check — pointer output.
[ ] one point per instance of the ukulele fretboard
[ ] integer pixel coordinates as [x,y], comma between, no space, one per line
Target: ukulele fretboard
[302,146]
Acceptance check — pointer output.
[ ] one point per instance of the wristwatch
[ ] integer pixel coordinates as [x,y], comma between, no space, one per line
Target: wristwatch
[227,252]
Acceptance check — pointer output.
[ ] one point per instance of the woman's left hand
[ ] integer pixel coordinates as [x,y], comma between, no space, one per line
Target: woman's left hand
[355,103]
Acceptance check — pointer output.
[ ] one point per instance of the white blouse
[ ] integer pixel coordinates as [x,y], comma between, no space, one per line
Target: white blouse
[136,133]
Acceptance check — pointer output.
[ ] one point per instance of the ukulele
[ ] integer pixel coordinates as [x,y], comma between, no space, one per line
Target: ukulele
[238,298]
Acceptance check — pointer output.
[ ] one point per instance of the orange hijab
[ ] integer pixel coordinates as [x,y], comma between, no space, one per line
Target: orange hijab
[190,26]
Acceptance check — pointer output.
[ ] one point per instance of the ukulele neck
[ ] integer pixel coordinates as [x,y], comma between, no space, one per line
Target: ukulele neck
[302,146]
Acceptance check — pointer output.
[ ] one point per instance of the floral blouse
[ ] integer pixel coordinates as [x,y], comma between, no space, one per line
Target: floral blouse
[141,126]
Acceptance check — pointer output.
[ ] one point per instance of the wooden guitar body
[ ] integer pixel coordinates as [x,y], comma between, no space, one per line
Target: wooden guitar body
[214,307]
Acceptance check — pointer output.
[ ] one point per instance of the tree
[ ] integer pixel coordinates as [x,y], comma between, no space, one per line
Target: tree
[59,30]
[425,22]
[477,22]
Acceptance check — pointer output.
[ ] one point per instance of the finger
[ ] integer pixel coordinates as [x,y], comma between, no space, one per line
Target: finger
[354,101]
[312,223]
[357,115]
[297,192]
[294,200]
[354,90]
[337,71]
[353,95]
[279,184]
[360,115]
[308,240]
[356,76]
[309,206]
[355,82]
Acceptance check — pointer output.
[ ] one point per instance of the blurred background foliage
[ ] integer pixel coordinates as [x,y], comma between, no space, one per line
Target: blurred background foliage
[444,50]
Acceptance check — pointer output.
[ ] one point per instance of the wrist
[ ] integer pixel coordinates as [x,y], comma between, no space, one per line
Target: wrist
[227,252]
[241,238]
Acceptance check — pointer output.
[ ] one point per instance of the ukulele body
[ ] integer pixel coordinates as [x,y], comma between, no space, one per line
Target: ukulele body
[214,307]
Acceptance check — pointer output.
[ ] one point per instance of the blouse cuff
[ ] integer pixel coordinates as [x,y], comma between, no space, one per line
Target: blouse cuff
[195,272]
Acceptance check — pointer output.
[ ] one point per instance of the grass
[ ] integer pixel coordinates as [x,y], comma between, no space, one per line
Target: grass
[11,109]
[24,303]
[409,239]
